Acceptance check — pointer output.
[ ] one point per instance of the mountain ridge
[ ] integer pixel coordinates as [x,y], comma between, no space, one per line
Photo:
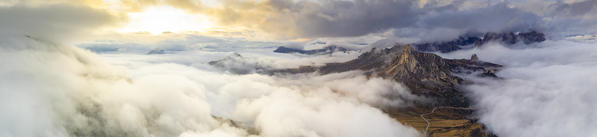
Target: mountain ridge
[325,50]
[467,42]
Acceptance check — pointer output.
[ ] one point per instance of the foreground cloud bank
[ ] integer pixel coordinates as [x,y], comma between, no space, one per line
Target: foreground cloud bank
[48,89]
[53,90]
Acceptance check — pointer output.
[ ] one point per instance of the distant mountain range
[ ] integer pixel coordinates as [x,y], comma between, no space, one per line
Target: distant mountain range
[467,42]
[326,50]
[463,42]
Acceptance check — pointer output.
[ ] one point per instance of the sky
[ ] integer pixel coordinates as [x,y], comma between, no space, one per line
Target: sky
[301,20]
[82,68]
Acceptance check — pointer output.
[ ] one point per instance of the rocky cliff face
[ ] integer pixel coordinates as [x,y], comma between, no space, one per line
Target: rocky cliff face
[426,74]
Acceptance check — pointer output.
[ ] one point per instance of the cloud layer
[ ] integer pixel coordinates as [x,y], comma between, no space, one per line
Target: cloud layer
[547,90]
[66,91]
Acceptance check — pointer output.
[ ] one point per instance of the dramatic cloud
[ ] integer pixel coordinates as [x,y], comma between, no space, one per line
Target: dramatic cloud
[572,18]
[428,20]
[49,89]
[345,18]
[360,17]
[546,90]
[496,18]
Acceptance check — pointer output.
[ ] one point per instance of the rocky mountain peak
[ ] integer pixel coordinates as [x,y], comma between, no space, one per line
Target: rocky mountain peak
[425,74]
[406,56]
[411,64]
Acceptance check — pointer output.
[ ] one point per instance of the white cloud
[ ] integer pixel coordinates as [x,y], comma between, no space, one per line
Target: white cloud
[66,91]
[547,90]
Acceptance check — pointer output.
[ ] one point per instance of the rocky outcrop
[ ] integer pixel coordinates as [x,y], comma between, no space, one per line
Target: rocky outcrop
[426,74]
[466,42]
[322,51]
[473,65]
[475,58]
[238,64]
[531,37]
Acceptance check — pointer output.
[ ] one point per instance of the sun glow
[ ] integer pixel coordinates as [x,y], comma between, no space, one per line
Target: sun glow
[157,20]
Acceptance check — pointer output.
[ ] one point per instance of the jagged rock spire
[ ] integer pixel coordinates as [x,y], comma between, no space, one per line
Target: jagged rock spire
[474,58]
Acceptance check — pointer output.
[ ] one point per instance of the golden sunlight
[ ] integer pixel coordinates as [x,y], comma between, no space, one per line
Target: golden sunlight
[163,19]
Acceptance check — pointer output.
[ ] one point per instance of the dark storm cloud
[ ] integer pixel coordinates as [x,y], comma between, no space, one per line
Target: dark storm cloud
[574,9]
[348,18]
[571,18]
[495,18]
[290,19]
[334,18]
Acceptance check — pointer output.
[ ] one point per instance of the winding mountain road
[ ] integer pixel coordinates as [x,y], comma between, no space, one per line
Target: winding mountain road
[432,111]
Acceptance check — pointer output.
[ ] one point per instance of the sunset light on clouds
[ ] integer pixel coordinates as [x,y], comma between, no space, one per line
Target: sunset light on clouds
[156,20]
